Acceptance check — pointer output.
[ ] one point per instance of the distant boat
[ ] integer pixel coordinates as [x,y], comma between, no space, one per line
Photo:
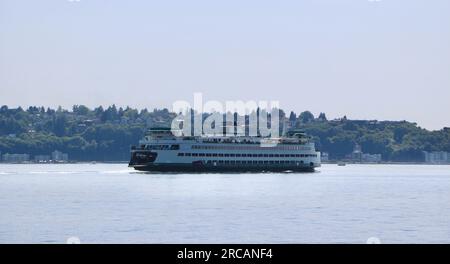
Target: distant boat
[341,164]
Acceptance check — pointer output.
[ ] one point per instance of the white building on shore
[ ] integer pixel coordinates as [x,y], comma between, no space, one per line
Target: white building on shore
[437,157]
[58,156]
[15,158]
[325,156]
[359,156]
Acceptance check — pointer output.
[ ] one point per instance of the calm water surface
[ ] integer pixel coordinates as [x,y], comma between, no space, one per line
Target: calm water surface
[109,203]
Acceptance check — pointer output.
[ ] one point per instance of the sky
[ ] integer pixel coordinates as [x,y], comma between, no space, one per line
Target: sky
[366,59]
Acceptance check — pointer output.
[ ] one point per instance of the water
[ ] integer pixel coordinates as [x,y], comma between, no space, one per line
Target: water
[109,203]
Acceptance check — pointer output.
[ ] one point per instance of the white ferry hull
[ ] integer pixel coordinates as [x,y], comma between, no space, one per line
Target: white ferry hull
[195,154]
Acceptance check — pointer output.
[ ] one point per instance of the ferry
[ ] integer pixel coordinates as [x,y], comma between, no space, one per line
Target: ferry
[161,151]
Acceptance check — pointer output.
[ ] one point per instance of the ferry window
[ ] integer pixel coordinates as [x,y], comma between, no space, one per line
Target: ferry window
[188,154]
[271,155]
[194,154]
[292,155]
[180,154]
[220,154]
[238,155]
[297,155]
[277,155]
[227,155]
[232,155]
[277,162]
[201,154]
[227,161]
[214,154]
[255,155]
[244,155]
[220,161]
[175,147]
[260,155]
[208,154]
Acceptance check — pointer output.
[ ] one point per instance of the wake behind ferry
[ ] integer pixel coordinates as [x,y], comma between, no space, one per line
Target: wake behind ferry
[161,151]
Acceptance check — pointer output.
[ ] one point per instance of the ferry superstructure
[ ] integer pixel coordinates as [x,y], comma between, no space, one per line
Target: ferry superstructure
[161,151]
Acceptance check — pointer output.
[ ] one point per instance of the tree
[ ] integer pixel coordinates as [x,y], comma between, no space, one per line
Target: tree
[98,111]
[292,117]
[306,117]
[59,125]
[80,110]
[322,117]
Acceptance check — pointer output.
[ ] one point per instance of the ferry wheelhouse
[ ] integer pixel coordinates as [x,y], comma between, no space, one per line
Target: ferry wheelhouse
[161,151]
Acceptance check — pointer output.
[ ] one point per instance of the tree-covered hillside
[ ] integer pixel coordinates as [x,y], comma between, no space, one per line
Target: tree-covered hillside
[106,134]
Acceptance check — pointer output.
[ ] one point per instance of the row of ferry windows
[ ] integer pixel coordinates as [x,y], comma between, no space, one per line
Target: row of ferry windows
[248,155]
[163,147]
[253,162]
[249,147]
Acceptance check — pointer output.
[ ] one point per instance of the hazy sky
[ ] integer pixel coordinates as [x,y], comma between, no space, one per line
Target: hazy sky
[387,59]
